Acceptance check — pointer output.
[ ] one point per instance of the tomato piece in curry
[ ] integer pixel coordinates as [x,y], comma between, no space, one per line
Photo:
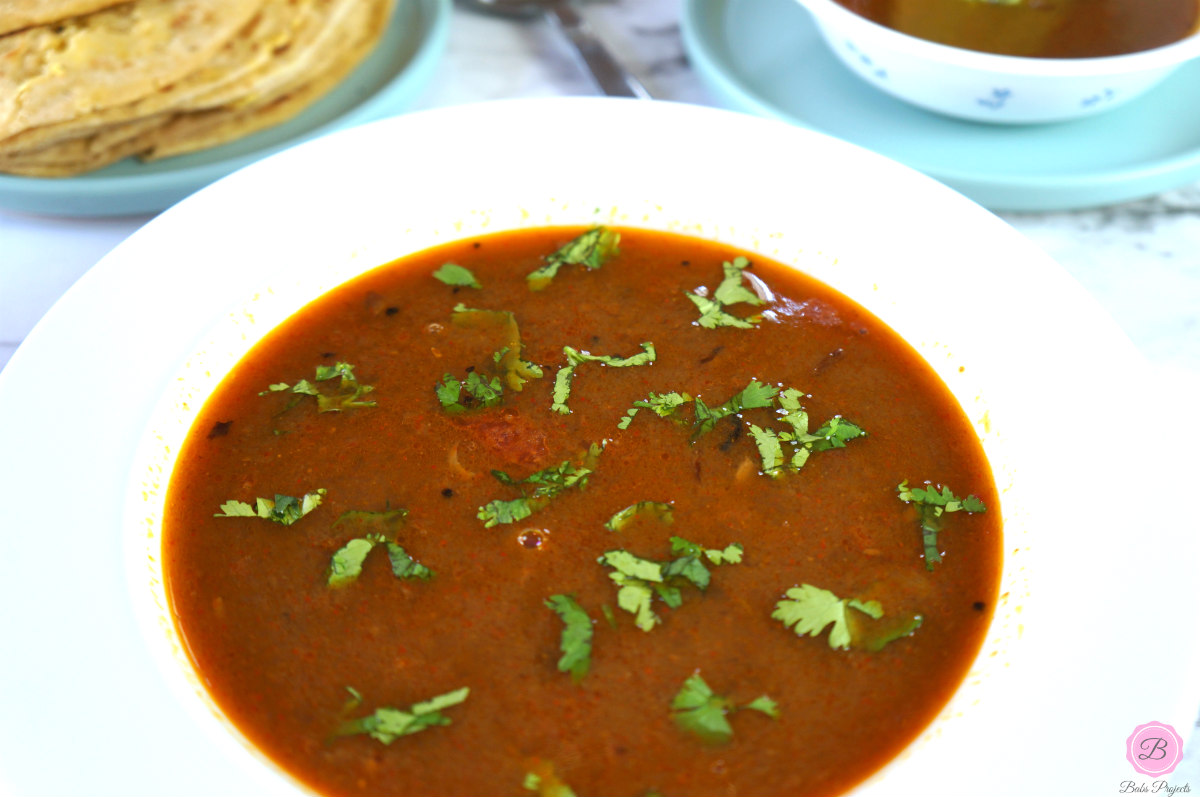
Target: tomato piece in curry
[409,410]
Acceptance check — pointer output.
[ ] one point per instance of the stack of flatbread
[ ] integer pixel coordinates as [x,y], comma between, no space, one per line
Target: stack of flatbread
[85,83]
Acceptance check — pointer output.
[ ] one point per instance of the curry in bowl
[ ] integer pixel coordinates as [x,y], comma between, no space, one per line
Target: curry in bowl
[582,511]
[1038,28]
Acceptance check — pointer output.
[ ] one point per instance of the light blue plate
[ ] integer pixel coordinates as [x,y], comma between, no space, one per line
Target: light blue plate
[382,85]
[766,57]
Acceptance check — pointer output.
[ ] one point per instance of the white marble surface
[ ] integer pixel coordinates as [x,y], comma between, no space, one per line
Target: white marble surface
[1140,260]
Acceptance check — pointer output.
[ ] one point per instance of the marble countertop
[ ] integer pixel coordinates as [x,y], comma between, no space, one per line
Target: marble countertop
[1140,260]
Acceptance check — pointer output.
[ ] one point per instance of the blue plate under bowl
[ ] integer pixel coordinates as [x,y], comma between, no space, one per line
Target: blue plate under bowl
[766,57]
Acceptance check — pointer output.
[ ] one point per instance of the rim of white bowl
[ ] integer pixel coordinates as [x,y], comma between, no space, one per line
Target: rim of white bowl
[1173,54]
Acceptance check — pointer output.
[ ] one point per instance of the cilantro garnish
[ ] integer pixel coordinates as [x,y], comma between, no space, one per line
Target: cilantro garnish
[775,462]
[548,484]
[388,518]
[389,724]
[755,395]
[591,250]
[730,554]
[347,563]
[651,509]
[348,395]
[542,779]
[809,610]
[576,644]
[662,404]
[502,512]
[479,393]
[575,358]
[770,442]
[456,276]
[284,509]
[731,291]
[703,713]
[515,371]
[639,580]
[933,505]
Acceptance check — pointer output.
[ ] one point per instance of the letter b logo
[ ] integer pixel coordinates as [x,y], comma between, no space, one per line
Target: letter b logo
[1157,746]
[1154,749]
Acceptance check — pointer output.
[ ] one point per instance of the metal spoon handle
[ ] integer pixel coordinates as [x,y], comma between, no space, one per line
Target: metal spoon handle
[609,75]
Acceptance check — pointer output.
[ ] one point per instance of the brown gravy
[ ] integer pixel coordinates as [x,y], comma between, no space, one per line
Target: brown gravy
[279,648]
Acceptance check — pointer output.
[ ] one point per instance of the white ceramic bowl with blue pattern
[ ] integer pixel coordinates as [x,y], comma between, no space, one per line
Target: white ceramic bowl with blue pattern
[991,88]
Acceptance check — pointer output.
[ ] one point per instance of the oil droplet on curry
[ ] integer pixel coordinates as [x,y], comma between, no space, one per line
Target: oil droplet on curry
[582,511]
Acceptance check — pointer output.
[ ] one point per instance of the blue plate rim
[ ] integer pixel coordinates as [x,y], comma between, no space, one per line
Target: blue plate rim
[1118,183]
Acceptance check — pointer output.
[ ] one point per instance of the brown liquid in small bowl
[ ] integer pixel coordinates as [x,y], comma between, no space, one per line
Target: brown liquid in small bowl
[1038,28]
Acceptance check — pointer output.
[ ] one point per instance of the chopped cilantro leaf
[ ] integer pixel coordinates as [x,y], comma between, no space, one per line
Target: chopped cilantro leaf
[347,563]
[770,450]
[701,712]
[542,779]
[404,566]
[932,504]
[500,512]
[731,554]
[548,483]
[713,315]
[770,443]
[236,509]
[576,644]
[636,598]
[650,509]
[633,566]
[731,291]
[765,705]
[591,250]
[575,358]
[455,275]
[479,393]
[689,567]
[441,701]
[388,518]
[343,370]
[754,395]
[349,394]
[888,630]
[808,610]
[639,580]
[662,404]
[284,509]
[834,434]
[388,724]
[515,371]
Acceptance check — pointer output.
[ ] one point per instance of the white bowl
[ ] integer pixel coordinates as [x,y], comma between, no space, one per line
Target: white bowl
[102,393]
[984,87]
